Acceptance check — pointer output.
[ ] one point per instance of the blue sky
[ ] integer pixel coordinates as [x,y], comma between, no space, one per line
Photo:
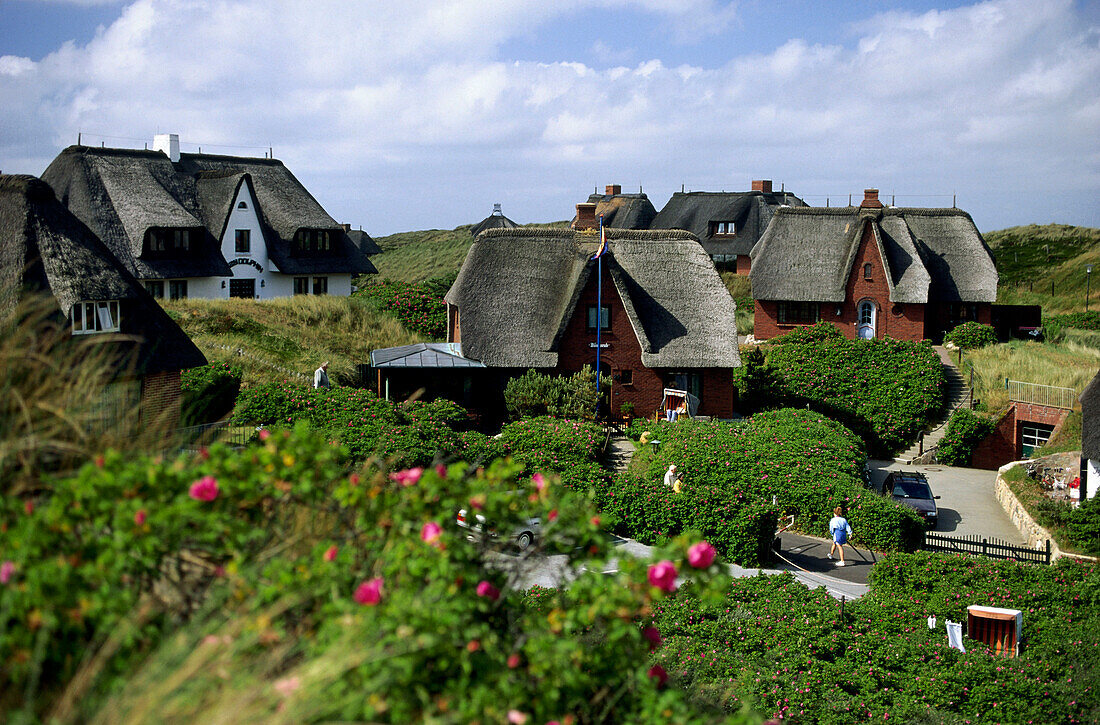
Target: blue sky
[426,114]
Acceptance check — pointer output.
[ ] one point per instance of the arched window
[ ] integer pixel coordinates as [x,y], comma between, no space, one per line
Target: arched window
[867,271]
[242,205]
[866,312]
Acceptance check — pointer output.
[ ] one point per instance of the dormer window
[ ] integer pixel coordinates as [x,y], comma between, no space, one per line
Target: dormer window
[91,317]
[160,242]
[311,243]
[723,229]
[242,205]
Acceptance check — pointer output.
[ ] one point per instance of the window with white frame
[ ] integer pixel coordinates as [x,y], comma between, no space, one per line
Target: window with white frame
[92,317]
[725,228]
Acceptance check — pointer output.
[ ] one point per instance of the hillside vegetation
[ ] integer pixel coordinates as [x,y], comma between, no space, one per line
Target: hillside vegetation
[428,254]
[1045,265]
[289,335]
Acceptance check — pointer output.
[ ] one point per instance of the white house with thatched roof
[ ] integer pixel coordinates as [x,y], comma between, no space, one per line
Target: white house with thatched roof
[873,271]
[208,226]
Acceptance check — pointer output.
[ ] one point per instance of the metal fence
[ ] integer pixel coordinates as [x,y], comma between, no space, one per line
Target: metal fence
[985,546]
[1048,395]
[198,436]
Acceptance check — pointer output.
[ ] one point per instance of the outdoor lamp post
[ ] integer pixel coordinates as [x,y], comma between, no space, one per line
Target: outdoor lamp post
[1088,284]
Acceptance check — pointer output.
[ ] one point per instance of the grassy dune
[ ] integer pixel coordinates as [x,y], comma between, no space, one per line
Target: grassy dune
[1045,265]
[290,334]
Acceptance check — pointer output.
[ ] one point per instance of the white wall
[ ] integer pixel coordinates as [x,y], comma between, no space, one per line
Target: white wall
[246,219]
[1092,478]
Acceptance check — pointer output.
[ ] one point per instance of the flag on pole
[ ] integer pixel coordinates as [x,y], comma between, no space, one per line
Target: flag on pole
[603,240]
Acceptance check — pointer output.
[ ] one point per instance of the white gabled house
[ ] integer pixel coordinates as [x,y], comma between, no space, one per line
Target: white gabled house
[208,226]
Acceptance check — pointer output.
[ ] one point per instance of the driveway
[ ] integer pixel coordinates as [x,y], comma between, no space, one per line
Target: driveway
[967,504]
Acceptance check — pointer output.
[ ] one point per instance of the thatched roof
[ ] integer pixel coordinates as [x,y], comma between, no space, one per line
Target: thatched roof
[44,248]
[1090,420]
[518,288]
[694,211]
[496,220]
[624,211]
[364,243]
[122,193]
[930,255]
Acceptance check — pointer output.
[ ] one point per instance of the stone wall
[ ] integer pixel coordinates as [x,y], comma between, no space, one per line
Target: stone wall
[1034,535]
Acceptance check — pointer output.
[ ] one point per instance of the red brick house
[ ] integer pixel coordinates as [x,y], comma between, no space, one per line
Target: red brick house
[874,272]
[46,250]
[527,298]
[728,224]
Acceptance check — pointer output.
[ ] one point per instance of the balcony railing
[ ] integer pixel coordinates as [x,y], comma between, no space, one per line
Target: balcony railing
[1035,394]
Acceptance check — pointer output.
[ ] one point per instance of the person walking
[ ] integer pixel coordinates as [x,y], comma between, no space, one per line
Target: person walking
[320,376]
[841,530]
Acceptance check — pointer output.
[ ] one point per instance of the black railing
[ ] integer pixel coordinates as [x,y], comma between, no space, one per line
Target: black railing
[197,436]
[985,546]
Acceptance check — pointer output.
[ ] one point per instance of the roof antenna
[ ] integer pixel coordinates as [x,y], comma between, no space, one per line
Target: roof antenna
[892,197]
[681,188]
[826,202]
[953,206]
[270,152]
[849,200]
[78,138]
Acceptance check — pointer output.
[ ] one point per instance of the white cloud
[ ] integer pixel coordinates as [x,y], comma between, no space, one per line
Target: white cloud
[363,100]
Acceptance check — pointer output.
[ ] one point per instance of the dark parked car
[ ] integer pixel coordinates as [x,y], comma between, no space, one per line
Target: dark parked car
[910,488]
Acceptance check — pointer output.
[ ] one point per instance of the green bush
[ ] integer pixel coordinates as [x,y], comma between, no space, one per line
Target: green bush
[965,431]
[560,396]
[886,391]
[420,308]
[971,335]
[208,393]
[1084,526]
[787,650]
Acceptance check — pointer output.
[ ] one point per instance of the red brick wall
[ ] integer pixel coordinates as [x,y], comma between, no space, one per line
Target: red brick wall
[1004,443]
[160,399]
[624,353]
[454,331]
[744,264]
[939,318]
[901,322]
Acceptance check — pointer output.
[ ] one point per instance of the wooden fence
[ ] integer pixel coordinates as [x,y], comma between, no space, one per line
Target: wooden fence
[985,546]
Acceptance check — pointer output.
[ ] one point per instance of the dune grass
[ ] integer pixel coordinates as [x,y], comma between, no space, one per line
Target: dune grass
[289,335]
[740,288]
[1045,265]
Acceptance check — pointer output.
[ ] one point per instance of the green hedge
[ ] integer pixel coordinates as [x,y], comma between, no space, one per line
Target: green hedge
[208,393]
[809,463]
[786,650]
[971,335]
[561,396]
[885,390]
[965,431]
[1084,526]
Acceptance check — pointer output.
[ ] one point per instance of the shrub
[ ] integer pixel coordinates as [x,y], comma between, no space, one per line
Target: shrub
[971,335]
[1055,325]
[325,600]
[208,393]
[965,431]
[886,390]
[1084,526]
[552,442]
[560,396]
[419,308]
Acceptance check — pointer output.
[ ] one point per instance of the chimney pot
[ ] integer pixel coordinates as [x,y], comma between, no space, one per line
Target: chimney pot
[764,185]
[497,211]
[168,144]
[613,190]
[870,199]
[586,217]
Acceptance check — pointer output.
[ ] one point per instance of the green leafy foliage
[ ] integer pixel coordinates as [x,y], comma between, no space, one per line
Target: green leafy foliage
[561,396]
[419,307]
[789,651]
[965,431]
[312,593]
[1084,526]
[569,448]
[808,463]
[971,335]
[208,393]
[1054,327]
[885,390]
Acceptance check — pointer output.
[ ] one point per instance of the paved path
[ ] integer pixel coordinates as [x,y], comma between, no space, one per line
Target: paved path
[967,503]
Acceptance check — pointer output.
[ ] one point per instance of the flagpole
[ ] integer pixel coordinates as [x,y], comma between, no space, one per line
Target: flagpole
[599,308]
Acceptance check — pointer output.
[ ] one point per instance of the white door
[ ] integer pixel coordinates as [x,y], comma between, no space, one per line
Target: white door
[866,327]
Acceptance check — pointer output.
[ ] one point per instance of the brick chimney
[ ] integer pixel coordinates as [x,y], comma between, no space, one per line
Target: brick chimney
[612,190]
[764,185]
[586,217]
[870,199]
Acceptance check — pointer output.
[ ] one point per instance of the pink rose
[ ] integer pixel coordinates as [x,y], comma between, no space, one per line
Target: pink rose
[330,553]
[540,482]
[656,672]
[369,592]
[701,555]
[663,575]
[204,489]
[553,515]
[139,517]
[407,477]
[485,589]
[441,471]
[287,685]
[264,434]
[6,570]
[430,532]
[513,661]
[653,637]
[515,717]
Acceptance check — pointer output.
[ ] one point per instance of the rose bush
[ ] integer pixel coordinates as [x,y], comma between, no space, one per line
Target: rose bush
[420,308]
[208,393]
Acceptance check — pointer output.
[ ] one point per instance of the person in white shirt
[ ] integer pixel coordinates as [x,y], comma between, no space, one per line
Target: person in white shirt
[840,530]
[670,475]
[320,376]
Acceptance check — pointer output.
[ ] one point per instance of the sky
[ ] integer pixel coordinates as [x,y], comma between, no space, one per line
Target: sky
[418,115]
